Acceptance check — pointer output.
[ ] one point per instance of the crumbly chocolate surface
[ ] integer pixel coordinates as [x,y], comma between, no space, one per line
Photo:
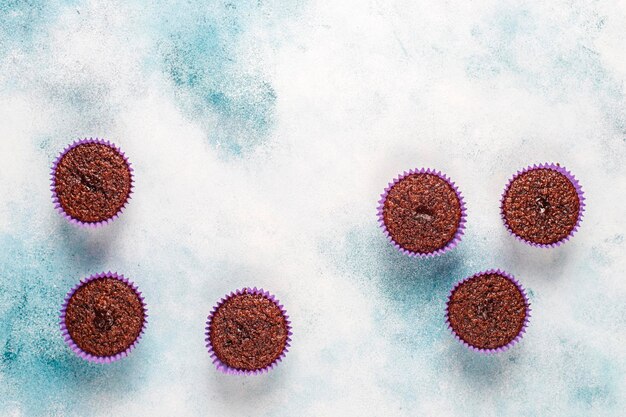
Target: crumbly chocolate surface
[248,332]
[104,317]
[92,182]
[541,206]
[422,212]
[487,311]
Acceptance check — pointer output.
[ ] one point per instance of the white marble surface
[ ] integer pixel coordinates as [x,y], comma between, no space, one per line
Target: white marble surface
[262,134]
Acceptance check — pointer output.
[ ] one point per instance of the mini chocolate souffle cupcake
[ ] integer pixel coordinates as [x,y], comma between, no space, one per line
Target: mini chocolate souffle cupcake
[488,312]
[92,182]
[422,213]
[103,317]
[248,332]
[543,205]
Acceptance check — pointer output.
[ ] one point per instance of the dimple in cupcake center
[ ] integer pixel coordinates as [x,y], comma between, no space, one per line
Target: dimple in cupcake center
[103,320]
[242,332]
[486,309]
[542,204]
[91,181]
[424,214]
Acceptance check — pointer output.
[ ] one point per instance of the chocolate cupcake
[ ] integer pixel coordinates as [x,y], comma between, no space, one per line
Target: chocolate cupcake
[92,182]
[248,332]
[422,213]
[103,317]
[543,205]
[488,312]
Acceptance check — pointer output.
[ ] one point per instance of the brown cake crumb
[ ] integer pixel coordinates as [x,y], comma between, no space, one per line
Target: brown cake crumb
[487,311]
[422,213]
[541,206]
[92,182]
[248,332]
[104,317]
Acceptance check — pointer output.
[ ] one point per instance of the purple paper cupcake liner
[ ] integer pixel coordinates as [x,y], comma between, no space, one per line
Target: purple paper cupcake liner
[55,199]
[66,335]
[221,366]
[522,330]
[579,191]
[460,229]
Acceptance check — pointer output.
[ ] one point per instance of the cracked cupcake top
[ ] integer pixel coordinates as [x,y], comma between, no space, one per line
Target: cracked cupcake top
[487,311]
[92,182]
[541,206]
[104,316]
[248,331]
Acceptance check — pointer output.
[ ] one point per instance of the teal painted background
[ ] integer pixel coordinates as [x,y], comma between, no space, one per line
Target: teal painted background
[262,133]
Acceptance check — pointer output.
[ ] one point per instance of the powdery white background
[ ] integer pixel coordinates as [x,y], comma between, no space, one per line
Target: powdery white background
[262,134]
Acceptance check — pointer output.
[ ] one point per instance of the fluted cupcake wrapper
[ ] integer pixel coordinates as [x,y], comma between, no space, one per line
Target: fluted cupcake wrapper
[522,330]
[460,229]
[66,335]
[221,366]
[55,198]
[579,192]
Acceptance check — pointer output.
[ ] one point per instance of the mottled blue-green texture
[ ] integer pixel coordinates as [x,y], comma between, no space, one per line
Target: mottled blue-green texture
[262,133]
